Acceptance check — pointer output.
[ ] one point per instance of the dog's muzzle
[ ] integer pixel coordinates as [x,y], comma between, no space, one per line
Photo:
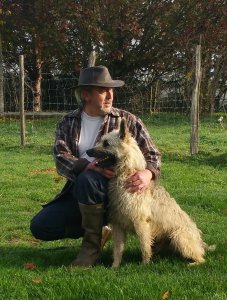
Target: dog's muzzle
[106,160]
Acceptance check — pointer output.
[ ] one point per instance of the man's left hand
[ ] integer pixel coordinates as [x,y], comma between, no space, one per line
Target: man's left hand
[139,181]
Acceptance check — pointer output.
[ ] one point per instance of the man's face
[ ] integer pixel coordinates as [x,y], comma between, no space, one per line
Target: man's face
[98,101]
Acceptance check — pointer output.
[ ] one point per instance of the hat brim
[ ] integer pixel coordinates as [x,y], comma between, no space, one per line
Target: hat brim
[110,84]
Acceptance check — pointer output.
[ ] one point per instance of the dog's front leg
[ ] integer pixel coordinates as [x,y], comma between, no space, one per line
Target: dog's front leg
[143,231]
[119,242]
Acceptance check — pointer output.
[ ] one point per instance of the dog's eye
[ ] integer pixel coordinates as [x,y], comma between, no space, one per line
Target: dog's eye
[105,144]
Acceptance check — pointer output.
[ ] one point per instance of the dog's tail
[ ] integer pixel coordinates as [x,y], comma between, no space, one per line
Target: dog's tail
[209,248]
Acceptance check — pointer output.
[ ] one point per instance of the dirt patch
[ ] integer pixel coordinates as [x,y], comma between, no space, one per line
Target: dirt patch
[50,171]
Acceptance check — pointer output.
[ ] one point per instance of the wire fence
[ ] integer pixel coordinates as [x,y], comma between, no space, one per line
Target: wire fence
[58,95]
[170,95]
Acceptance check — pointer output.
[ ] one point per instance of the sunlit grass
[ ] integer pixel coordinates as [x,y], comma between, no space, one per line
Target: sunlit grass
[28,179]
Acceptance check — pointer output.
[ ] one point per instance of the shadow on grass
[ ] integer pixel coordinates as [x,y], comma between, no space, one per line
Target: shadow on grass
[17,256]
[44,258]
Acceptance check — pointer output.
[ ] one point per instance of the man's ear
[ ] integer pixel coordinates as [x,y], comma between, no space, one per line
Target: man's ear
[123,131]
[85,93]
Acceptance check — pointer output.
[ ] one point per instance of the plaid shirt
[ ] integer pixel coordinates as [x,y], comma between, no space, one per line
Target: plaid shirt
[66,150]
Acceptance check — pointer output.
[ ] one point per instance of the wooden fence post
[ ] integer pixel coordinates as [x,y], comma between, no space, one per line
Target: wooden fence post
[22,114]
[195,104]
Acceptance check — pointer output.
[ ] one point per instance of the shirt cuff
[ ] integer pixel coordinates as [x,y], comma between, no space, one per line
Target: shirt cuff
[155,172]
[79,165]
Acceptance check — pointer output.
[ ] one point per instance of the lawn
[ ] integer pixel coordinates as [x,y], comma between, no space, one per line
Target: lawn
[32,269]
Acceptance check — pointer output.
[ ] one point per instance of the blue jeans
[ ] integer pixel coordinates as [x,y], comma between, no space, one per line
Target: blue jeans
[61,218]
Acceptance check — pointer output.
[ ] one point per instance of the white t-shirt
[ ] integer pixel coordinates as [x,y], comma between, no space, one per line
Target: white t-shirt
[89,131]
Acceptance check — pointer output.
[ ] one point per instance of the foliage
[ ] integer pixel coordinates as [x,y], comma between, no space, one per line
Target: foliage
[142,39]
[40,270]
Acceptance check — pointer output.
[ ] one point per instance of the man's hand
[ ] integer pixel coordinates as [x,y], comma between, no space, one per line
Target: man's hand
[139,181]
[108,173]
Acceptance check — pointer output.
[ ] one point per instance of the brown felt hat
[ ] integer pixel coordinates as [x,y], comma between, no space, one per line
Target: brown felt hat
[98,76]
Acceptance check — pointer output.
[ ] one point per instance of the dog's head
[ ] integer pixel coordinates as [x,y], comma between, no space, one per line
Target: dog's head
[109,149]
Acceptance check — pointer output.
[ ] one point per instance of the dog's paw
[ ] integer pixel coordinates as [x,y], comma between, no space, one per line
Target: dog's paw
[115,266]
[196,263]
[146,261]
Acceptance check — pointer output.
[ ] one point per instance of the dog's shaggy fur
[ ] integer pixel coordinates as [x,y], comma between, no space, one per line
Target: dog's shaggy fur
[153,215]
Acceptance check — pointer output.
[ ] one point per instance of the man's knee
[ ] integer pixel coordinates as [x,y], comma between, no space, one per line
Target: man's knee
[91,179]
[37,230]
[42,232]
[90,188]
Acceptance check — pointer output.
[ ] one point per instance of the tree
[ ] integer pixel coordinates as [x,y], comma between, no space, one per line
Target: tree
[143,39]
[37,31]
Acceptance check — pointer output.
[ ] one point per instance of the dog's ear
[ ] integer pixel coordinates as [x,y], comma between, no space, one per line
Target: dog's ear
[117,126]
[123,130]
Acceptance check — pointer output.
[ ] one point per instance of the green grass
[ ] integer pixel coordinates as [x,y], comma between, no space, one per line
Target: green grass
[28,179]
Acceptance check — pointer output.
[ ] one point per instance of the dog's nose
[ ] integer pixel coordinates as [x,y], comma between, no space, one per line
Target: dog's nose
[90,152]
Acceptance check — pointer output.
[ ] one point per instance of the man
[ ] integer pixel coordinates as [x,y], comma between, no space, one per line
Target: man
[79,210]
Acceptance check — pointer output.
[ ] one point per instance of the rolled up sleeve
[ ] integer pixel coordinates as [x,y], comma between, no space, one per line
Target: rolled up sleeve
[148,148]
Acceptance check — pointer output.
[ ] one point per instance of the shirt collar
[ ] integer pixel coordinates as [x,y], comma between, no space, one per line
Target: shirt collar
[77,113]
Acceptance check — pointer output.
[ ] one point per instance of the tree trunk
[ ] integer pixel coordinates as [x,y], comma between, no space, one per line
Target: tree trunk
[213,86]
[210,84]
[38,77]
[1,78]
